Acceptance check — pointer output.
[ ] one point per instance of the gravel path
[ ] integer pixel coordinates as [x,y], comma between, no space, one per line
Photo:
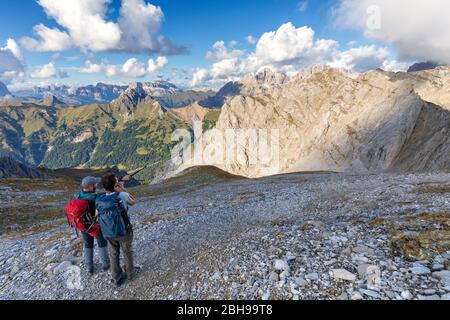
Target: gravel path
[297,236]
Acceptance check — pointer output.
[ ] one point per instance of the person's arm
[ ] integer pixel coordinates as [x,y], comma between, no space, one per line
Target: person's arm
[132,200]
[121,188]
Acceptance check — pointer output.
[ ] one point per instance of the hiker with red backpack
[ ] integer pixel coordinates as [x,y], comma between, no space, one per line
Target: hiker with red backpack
[112,213]
[82,216]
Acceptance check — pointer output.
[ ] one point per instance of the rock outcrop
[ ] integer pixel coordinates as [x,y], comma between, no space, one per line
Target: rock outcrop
[4,90]
[331,120]
[263,81]
[192,113]
[52,101]
[10,168]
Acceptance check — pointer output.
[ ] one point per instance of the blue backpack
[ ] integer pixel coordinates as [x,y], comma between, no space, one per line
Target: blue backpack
[111,213]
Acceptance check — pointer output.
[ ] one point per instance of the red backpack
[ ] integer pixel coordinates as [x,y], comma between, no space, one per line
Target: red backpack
[79,217]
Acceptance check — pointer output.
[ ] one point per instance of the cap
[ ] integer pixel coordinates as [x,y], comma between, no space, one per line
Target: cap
[90,181]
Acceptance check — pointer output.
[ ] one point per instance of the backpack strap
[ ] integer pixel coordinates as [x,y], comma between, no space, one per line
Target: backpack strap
[76,196]
[124,212]
[117,195]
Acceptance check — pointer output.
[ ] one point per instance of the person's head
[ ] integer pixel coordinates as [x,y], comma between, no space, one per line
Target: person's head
[110,182]
[89,184]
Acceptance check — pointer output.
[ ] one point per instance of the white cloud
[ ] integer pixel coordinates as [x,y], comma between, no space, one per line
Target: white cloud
[251,39]
[417,29]
[12,46]
[26,84]
[395,66]
[221,52]
[84,24]
[289,43]
[288,49]
[48,71]
[159,64]
[108,70]
[361,58]
[132,68]
[11,62]
[51,39]
[140,22]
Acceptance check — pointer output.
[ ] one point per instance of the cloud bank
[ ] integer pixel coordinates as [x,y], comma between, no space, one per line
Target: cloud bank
[84,24]
[289,49]
[132,68]
[48,71]
[11,62]
[419,30]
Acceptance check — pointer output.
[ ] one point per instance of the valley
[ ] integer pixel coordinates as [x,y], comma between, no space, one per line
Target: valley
[131,132]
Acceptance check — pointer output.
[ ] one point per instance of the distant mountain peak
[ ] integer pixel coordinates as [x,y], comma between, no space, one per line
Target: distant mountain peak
[268,76]
[52,101]
[4,90]
[251,84]
[133,95]
[136,86]
[421,66]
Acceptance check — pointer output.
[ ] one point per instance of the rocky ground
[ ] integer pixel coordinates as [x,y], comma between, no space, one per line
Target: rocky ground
[297,236]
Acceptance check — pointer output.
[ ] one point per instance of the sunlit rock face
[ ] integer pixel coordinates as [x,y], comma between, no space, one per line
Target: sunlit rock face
[331,120]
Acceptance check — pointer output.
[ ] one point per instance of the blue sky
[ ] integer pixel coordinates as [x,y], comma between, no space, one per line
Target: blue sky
[194,24]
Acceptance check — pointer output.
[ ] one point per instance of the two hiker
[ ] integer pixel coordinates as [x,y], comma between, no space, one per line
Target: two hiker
[104,217]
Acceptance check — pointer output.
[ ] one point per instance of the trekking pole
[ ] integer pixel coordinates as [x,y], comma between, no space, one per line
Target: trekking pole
[142,169]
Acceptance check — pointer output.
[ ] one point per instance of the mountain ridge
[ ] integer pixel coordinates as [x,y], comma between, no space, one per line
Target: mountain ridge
[333,120]
[10,168]
[4,90]
[165,92]
[250,85]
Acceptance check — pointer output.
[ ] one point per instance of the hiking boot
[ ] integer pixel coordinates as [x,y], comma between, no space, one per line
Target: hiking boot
[91,270]
[89,259]
[130,276]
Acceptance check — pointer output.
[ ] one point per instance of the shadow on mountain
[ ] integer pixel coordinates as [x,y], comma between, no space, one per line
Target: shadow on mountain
[190,180]
[13,169]
[77,175]
[231,89]
[428,147]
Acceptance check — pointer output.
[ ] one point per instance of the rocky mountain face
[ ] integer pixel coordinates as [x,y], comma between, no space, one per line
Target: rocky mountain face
[99,93]
[12,169]
[249,86]
[131,132]
[52,101]
[164,92]
[160,88]
[4,90]
[330,120]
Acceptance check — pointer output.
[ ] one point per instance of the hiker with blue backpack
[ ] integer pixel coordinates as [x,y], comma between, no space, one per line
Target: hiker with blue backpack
[112,213]
[81,215]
